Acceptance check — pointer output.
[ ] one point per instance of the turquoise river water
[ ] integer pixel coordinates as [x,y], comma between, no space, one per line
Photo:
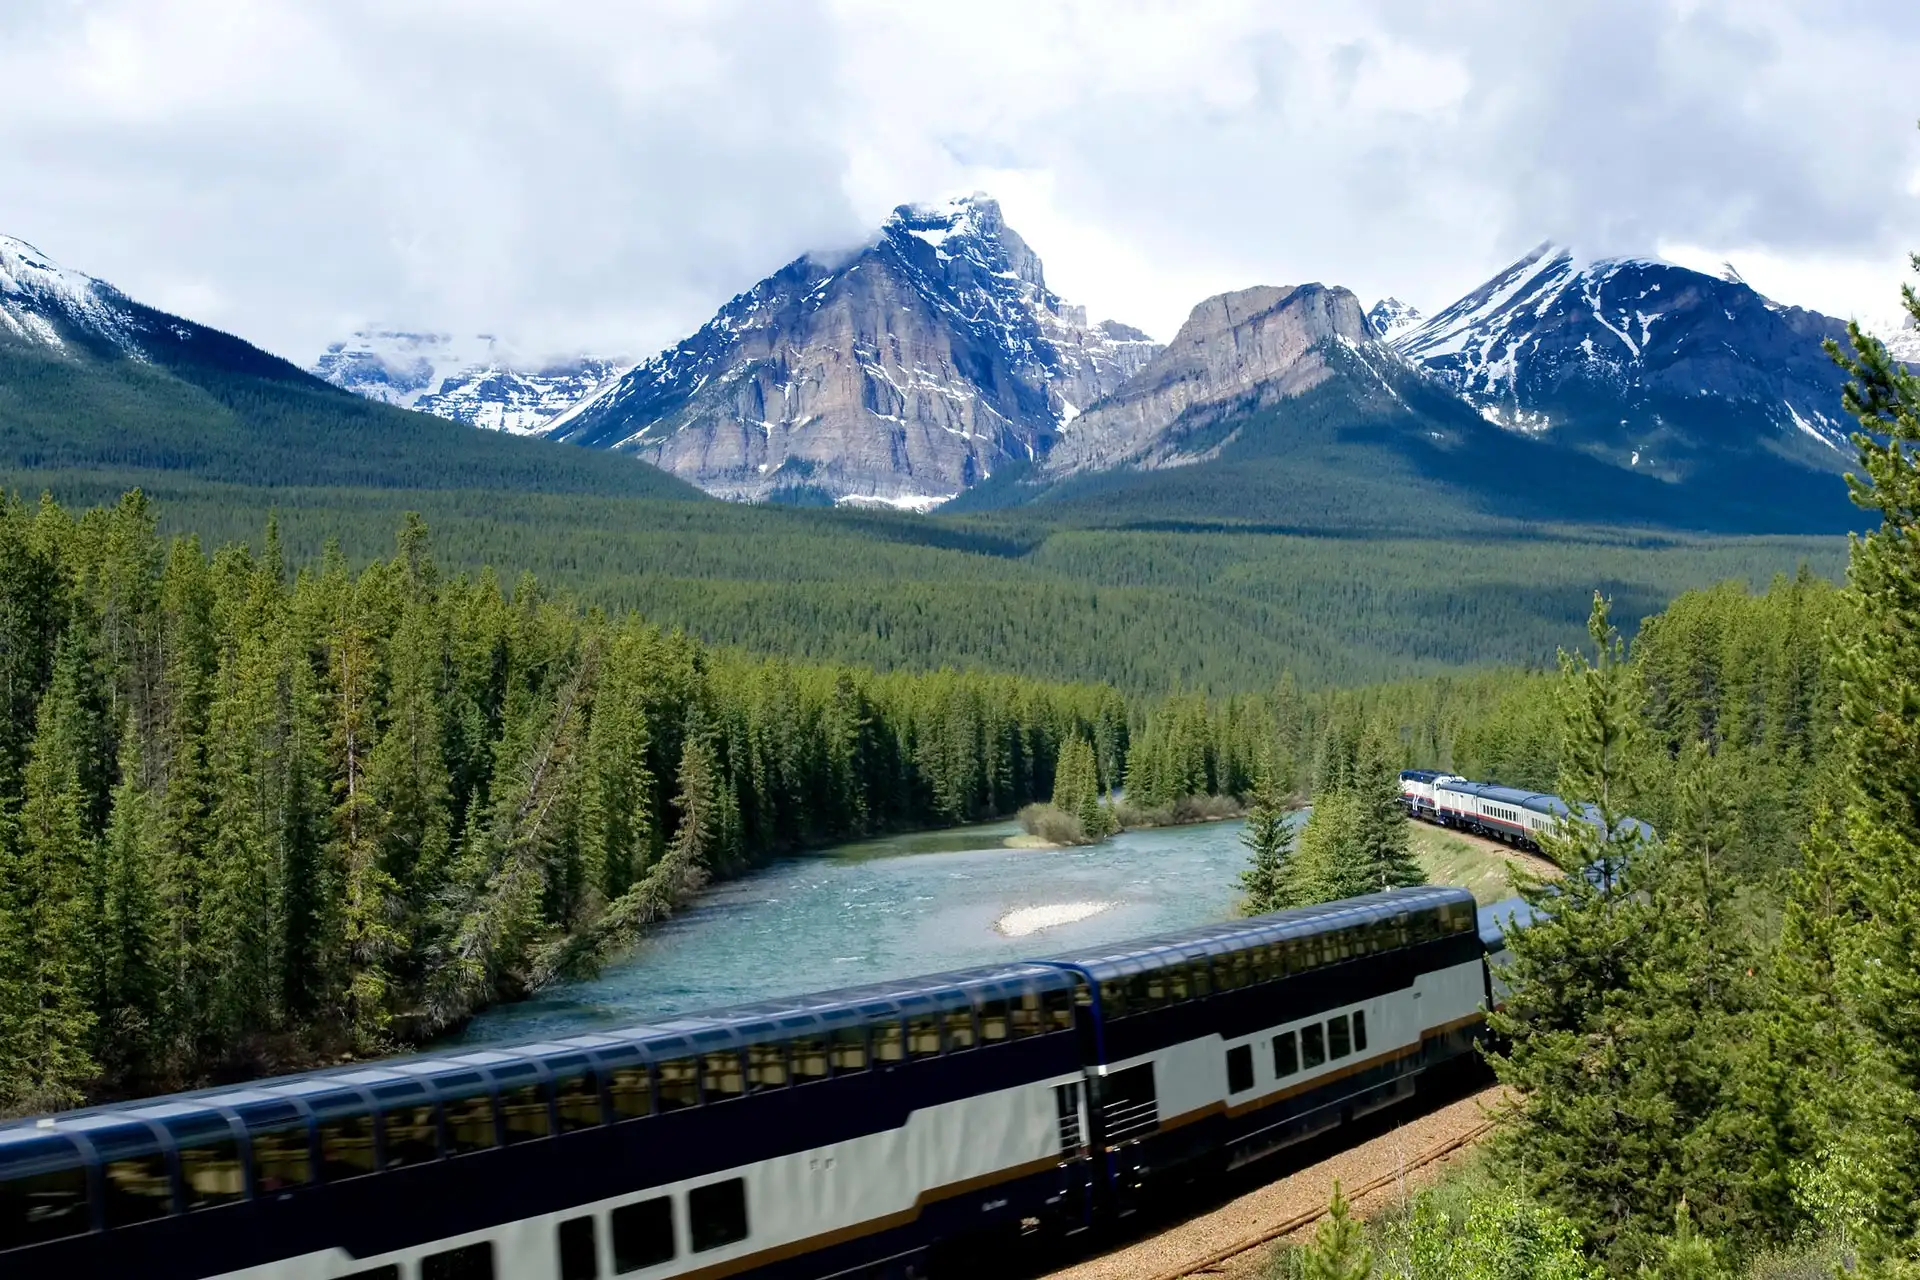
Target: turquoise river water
[892,908]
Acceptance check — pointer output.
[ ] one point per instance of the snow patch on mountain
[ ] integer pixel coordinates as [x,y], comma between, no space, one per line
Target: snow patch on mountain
[1390,317]
[36,291]
[475,379]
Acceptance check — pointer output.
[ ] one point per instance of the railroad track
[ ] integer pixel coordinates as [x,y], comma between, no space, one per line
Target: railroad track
[1221,1241]
[1213,1260]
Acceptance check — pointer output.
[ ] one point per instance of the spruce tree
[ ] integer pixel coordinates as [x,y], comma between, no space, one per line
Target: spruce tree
[1268,879]
[48,887]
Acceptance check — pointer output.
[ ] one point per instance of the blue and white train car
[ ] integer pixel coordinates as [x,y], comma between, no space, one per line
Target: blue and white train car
[1417,791]
[856,1133]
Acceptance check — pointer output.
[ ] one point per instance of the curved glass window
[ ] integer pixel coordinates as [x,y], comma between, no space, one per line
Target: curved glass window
[923,1036]
[721,1076]
[523,1112]
[346,1146]
[993,1022]
[1059,1006]
[576,1099]
[849,1050]
[282,1158]
[888,1044]
[467,1105]
[1025,1017]
[809,1058]
[411,1134]
[43,1192]
[959,1030]
[630,1093]
[766,1066]
[137,1189]
[210,1172]
[679,1084]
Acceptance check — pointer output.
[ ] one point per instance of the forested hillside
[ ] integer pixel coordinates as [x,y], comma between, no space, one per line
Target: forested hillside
[252,814]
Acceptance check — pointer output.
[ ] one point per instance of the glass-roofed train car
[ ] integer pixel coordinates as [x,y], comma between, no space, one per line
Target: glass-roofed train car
[1221,1044]
[795,1138]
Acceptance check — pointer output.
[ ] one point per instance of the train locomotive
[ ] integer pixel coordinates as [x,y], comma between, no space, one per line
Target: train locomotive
[862,1132]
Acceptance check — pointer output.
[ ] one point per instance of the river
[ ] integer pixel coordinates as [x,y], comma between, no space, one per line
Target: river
[892,908]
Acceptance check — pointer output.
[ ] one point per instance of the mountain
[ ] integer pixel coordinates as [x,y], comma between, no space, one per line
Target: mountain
[1650,366]
[1390,317]
[1237,352]
[99,390]
[475,380]
[898,375]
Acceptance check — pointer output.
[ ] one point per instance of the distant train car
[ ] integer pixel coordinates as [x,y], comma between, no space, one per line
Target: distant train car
[1417,791]
[1501,813]
[856,1133]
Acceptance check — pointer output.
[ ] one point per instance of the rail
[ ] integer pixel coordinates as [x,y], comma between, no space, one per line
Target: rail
[1293,1224]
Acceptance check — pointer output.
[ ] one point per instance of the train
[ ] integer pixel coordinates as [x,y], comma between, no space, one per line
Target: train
[879,1131]
[1484,808]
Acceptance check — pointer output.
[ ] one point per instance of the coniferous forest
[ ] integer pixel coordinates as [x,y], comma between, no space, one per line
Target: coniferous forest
[257,815]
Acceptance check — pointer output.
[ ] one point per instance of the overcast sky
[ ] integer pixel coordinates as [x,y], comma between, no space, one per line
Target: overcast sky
[600,176]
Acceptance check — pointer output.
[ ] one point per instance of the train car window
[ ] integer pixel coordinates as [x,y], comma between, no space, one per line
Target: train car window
[849,1050]
[886,1043]
[766,1066]
[1359,1031]
[1144,995]
[1232,971]
[809,1058]
[579,1257]
[1178,988]
[1159,987]
[468,1262]
[410,1137]
[642,1234]
[1059,1006]
[138,1190]
[679,1084]
[1240,1068]
[923,1036]
[1339,1037]
[959,1030]
[1025,1017]
[1113,999]
[993,1022]
[1199,978]
[346,1147]
[1313,1045]
[211,1173]
[525,1112]
[1286,1054]
[576,1098]
[1280,959]
[720,1076]
[41,1206]
[717,1214]
[630,1093]
[282,1159]
[469,1124]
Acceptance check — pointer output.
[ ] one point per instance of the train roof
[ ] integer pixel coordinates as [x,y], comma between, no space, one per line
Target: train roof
[1422,775]
[1300,922]
[390,1079]
[1496,918]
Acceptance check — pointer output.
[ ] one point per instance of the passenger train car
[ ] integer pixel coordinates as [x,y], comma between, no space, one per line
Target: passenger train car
[856,1133]
[1484,808]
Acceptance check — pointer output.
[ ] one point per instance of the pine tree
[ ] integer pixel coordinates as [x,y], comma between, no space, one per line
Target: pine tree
[132,1004]
[1268,879]
[1338,1251]
[1384,838]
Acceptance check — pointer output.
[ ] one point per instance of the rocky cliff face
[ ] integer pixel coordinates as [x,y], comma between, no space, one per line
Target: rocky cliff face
[475,380]
[1236,353]
[900,375]
[1651,366]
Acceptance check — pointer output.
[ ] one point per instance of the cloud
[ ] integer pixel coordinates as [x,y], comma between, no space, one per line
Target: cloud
[601,176]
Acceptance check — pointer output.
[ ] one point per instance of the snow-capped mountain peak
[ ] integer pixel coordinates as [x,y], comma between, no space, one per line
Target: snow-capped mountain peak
[38,297]
[899,375]
[1626,350]
[475,379]
[1391,317]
